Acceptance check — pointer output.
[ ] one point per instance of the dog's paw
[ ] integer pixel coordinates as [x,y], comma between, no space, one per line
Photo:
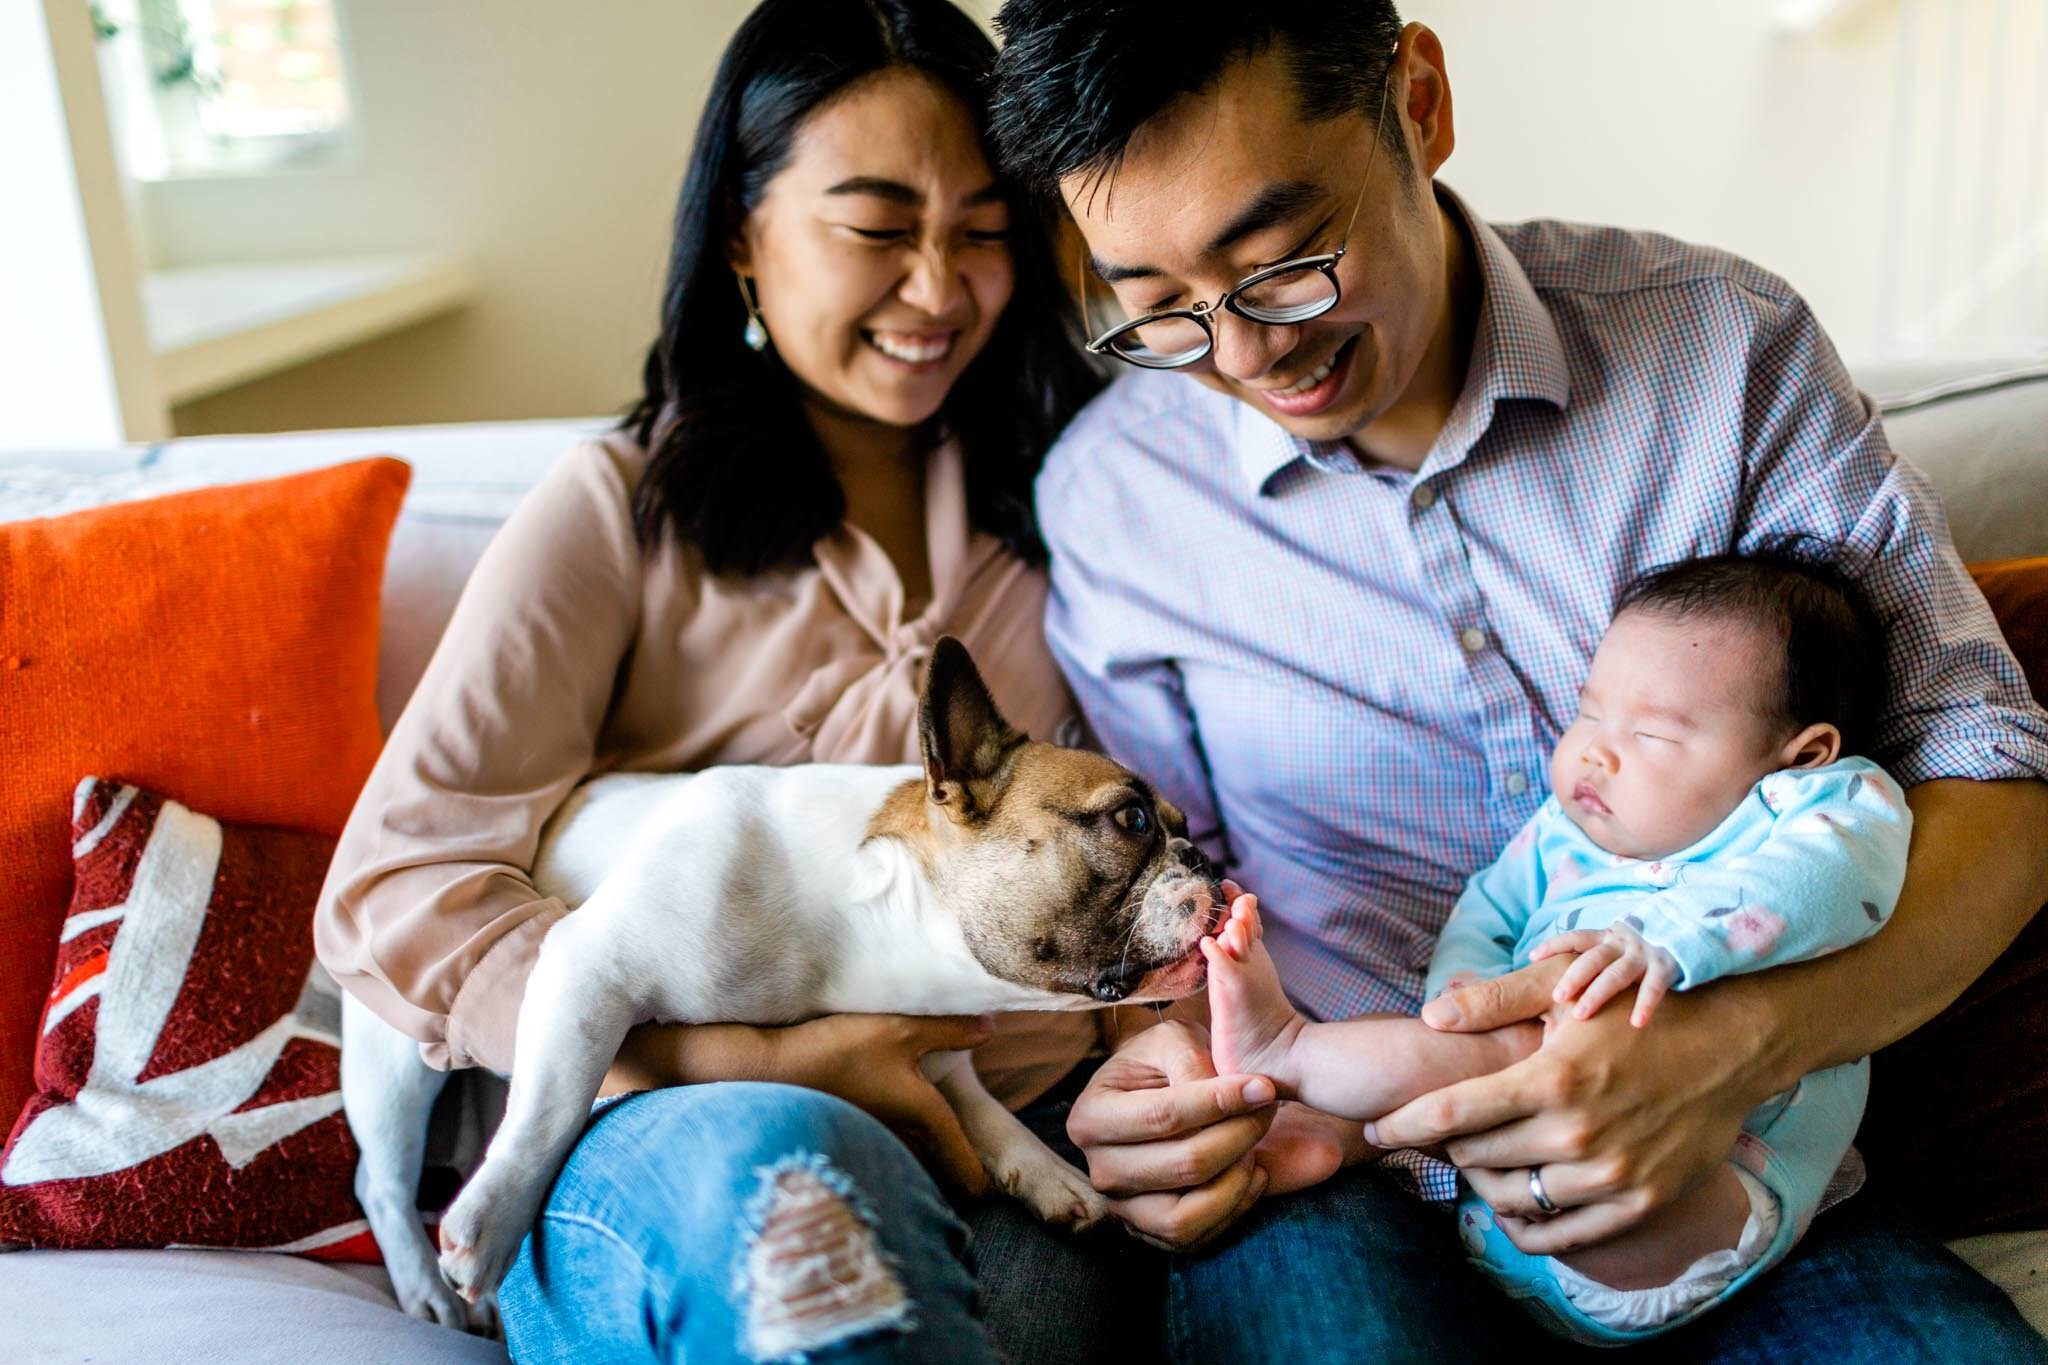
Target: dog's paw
[1055,1191]
[480,1236]
[483,1318]
[424,1294]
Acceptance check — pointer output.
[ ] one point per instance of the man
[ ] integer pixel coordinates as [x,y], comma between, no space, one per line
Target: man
[1336,597]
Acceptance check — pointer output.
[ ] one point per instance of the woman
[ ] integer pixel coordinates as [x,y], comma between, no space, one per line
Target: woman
[830,467]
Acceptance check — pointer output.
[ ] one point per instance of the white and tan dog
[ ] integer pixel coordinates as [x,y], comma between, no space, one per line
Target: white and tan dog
[1005,874]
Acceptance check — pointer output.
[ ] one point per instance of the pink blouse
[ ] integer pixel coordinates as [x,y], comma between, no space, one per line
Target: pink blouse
[573,652]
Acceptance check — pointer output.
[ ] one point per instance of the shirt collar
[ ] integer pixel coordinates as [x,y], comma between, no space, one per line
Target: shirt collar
[1516,353]
[1516,350]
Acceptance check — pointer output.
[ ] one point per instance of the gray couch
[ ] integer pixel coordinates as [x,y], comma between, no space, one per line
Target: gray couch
[1981,433]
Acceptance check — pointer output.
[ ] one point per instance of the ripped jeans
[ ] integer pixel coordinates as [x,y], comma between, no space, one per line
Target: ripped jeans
[691,1224]
[742,1221]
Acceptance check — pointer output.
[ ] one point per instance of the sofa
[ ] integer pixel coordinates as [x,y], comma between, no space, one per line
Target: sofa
[1979,430]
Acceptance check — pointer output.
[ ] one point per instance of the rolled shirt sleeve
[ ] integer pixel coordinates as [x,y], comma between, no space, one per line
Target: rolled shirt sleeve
[1817,465]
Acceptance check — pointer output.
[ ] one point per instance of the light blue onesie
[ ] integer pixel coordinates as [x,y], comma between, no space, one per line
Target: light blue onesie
[1809,863]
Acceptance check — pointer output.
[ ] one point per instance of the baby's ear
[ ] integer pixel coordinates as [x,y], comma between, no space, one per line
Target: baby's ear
[1814,747]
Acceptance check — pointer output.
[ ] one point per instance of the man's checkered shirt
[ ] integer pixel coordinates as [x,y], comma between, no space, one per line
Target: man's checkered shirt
[1351,677]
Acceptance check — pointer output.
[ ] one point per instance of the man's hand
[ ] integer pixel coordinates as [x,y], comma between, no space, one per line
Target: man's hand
[1621,1120]
[1170,1141]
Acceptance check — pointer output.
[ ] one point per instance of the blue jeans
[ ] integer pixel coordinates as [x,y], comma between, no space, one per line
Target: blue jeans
[742,1222]
[643,1250]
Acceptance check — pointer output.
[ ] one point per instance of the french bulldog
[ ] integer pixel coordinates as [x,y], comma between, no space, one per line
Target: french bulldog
[1001,874]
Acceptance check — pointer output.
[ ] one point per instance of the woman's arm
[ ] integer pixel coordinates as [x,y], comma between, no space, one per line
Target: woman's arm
[1629,1118]
[429,914]
[868,1060]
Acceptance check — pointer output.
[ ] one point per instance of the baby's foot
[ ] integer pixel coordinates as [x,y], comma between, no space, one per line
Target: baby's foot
[1252,1025]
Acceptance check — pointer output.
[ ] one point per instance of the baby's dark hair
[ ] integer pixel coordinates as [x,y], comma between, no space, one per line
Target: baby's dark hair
[1834,651]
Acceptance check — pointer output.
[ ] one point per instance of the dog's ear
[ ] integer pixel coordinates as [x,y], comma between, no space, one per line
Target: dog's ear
[966,741]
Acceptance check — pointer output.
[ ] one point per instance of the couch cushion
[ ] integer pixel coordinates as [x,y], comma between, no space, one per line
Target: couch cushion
[467,478]
[1981,434]
[222,1307]
[2016,1262]
[219,646]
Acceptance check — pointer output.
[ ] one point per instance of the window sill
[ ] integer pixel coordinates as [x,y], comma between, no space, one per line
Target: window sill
[215,326]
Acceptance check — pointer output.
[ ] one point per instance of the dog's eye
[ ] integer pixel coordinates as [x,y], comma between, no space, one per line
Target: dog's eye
[1134,818]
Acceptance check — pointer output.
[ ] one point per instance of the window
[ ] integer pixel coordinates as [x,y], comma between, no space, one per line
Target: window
[204,87]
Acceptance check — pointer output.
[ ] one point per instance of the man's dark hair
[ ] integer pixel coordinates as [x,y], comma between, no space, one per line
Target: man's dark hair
[1834,650]
[1077,78]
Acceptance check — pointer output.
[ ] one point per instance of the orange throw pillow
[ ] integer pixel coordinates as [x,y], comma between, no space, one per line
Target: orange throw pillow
[219,646]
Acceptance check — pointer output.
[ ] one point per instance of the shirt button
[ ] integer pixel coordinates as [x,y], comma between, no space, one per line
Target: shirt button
[1424,497]
[1473,639]
[1516,784]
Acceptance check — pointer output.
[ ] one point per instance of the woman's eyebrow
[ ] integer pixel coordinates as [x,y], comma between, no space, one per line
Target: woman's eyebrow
[896,192]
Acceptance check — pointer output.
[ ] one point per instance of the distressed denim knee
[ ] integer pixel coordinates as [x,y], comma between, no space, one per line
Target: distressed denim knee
[742,1221]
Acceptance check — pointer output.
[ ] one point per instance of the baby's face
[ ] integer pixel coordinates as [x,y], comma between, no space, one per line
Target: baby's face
[1674,728]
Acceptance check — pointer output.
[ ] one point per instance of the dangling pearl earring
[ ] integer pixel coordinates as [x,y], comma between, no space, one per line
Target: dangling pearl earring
[755,334]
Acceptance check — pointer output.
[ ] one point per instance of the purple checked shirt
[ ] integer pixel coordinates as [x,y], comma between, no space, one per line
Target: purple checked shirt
[1351,677]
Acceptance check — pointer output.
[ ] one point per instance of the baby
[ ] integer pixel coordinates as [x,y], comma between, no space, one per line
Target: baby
[1703,820]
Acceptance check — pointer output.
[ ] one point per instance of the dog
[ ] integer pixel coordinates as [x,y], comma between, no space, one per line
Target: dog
[1001,874]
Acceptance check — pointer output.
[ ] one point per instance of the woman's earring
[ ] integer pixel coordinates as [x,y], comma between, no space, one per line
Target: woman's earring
[755,333]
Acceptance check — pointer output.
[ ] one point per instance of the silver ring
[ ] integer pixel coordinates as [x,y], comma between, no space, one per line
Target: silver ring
[1536,1192]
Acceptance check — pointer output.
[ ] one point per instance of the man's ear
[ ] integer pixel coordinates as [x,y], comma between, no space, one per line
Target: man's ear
[1814,747]
[966,741]
[1422,87]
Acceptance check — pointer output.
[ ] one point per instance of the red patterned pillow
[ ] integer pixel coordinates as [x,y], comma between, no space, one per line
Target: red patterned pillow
[188,1065]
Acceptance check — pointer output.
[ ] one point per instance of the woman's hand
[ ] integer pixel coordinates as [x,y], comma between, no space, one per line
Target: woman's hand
[868,1060]
[1620,1120]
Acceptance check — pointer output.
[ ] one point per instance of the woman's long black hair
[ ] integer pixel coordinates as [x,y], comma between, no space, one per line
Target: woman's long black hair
[734,468]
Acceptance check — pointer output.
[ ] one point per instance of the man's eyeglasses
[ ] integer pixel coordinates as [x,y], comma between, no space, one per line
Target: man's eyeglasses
[1278,296]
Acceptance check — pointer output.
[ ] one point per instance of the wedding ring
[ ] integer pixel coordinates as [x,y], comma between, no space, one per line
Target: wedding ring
[1536,1192]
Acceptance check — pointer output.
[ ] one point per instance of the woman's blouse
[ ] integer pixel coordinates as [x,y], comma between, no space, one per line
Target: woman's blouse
[575,651]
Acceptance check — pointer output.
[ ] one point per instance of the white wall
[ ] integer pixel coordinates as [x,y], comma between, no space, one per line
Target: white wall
[545,139]
[1710,122]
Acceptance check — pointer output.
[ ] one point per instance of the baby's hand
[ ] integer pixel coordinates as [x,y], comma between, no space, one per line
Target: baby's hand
[1610,961]
[1251,1022]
